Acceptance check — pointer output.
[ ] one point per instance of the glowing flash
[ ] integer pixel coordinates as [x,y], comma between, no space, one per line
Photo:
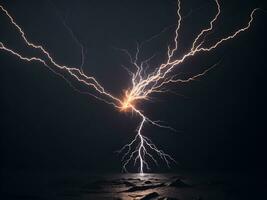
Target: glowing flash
[141,149]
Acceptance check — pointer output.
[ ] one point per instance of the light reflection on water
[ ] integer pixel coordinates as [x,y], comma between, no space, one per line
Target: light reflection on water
[82,186]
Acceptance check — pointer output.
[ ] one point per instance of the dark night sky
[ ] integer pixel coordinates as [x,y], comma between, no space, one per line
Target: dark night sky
[45,125]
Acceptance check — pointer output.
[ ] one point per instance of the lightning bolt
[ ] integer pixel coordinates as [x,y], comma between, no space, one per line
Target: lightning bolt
[143,84]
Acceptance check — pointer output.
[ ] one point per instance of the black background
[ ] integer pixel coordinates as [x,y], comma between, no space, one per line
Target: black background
[221,117]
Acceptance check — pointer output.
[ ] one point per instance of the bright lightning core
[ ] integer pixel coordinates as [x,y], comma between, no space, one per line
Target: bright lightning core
[143,84]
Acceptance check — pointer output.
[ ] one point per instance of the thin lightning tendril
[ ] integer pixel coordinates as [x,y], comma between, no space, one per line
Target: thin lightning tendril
[143,84]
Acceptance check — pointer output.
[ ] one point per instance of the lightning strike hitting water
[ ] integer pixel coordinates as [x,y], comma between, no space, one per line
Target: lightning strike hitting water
[143,84]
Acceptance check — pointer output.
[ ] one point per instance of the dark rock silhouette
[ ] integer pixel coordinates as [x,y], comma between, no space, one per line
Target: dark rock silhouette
[150,196]
[178,183]
[147,182]
[133,179]
[144,187]
[129,184]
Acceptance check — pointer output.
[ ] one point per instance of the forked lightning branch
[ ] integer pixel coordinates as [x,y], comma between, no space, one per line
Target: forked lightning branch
[145,80]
